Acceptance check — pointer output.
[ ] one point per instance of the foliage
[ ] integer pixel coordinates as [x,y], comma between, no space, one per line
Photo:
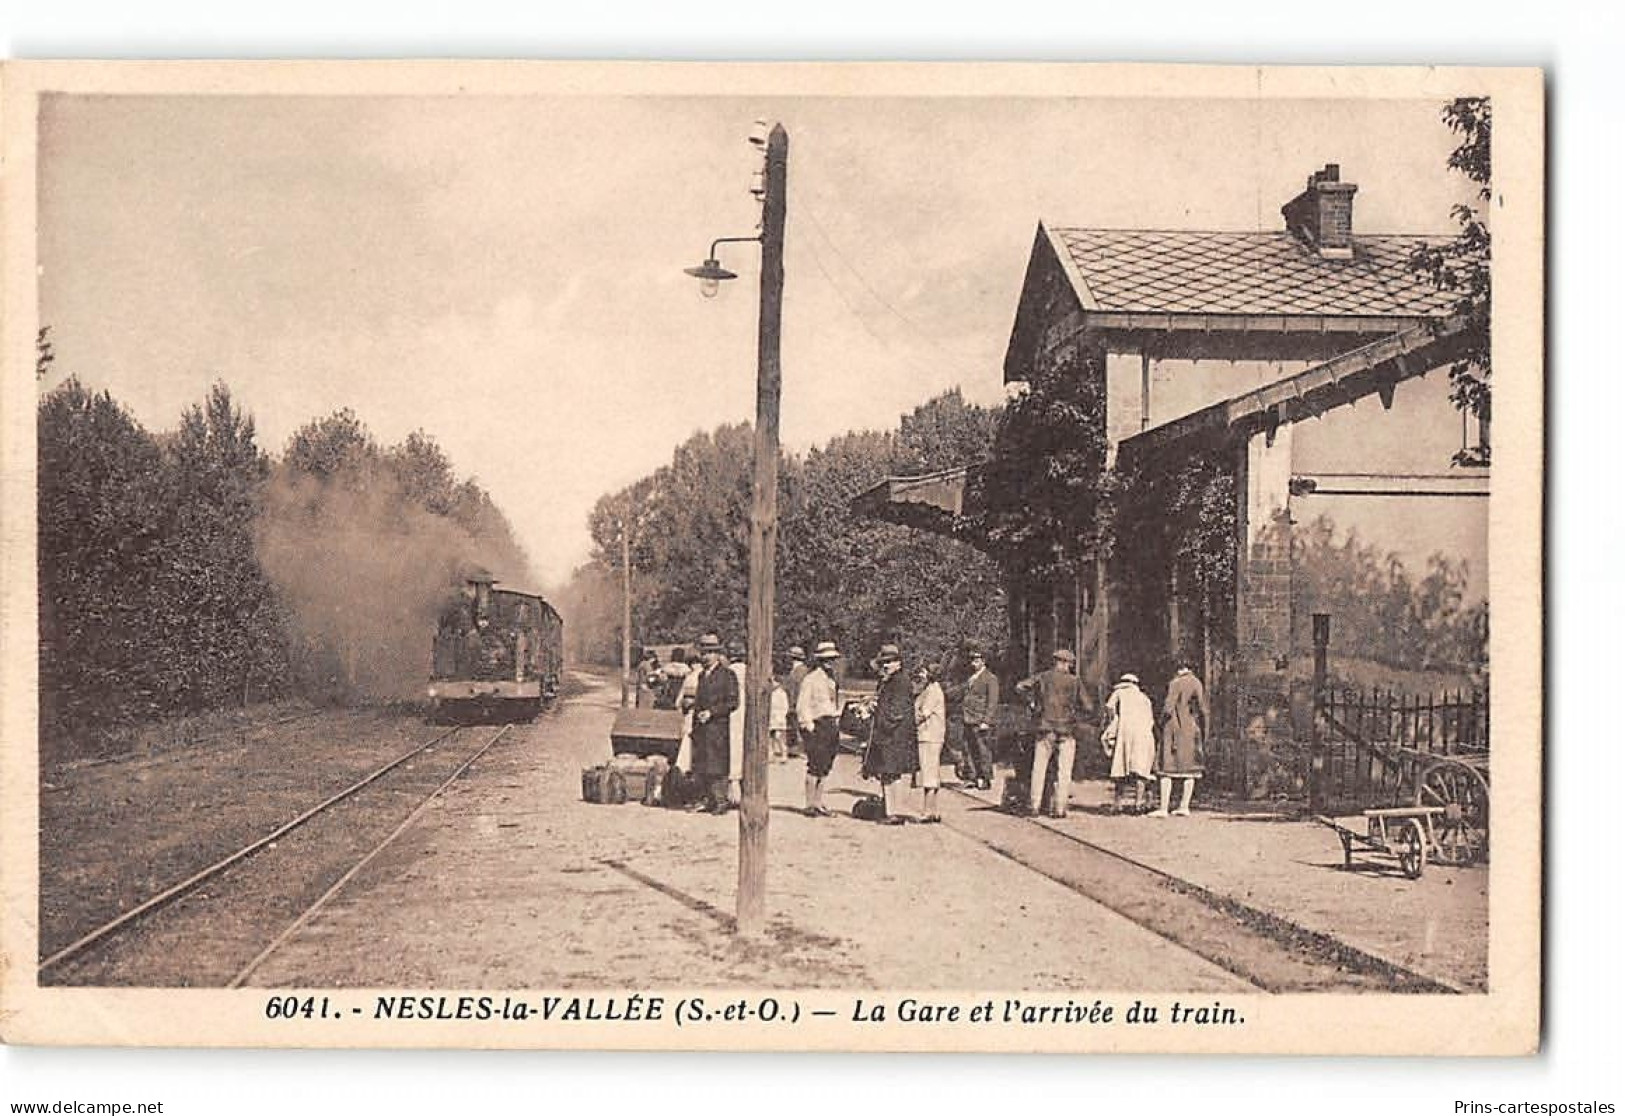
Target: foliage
[184,571]
[44,353]
[152,600]
[1462,266]
[1178,524]
[1041,486]
[839,576]
[1380,610]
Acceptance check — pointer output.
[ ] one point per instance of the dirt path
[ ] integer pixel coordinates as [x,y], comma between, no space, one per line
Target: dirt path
[514,882]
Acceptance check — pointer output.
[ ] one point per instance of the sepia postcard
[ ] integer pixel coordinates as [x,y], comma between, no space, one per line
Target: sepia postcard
[909,557]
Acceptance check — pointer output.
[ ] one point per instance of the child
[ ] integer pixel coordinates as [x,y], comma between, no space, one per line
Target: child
[778,718]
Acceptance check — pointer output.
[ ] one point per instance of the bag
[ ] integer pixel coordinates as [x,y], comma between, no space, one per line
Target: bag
[603,784]
[869,807]
[654,783]
[678,789]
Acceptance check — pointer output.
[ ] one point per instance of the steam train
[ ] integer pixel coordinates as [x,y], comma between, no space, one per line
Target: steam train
[498,653]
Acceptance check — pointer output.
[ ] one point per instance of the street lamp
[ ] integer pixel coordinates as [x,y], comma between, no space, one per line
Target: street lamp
[751,911]
[711,273]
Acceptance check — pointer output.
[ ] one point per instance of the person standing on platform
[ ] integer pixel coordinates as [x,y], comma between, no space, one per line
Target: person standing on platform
[778,717]
[931,729]
[736,727]
[792,691]
[980,702]
[716,697]
[1062,706]
[1185,719]
[686,692]
[818,712]
[1130,737]
[894,748]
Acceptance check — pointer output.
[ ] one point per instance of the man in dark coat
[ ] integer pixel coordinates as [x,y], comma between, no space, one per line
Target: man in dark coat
[980,701]
[894,747]
[1063,705]
[714,703]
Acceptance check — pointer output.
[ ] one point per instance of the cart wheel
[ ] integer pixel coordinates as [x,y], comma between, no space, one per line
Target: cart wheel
[1412,850]
[1462,833]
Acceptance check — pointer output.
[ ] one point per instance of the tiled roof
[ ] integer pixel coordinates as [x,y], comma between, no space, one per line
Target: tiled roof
[1248,273]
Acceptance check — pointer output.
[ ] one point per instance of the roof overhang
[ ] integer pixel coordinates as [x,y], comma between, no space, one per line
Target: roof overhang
[1371,369]
[1139,321]
[933,502]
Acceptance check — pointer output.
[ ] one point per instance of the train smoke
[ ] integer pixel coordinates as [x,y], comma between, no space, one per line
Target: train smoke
[363,570]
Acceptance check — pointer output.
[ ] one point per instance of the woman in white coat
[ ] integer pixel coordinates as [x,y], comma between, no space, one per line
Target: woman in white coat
[1130,738]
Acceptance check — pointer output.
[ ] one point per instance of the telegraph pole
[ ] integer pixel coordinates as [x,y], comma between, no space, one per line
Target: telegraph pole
[751,912]
[626,611]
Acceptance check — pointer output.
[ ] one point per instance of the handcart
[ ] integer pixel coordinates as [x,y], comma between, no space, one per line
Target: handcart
[1409,834]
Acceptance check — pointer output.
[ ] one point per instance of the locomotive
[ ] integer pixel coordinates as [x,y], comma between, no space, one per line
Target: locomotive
[497,653]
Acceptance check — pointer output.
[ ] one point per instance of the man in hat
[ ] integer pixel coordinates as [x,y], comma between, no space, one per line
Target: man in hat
[716,696]
[792,692]
[894,748]
[981,698]
[818,712]
[1062,706]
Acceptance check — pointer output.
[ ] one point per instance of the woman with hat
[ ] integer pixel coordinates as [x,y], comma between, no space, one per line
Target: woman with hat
[931,727]
[1130,738]
[893,742]
[819,712]
[1185,717]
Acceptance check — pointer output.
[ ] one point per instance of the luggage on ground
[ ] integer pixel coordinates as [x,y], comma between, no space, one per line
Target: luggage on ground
[604,784]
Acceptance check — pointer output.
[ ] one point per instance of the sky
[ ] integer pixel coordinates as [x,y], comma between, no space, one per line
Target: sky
[505,273]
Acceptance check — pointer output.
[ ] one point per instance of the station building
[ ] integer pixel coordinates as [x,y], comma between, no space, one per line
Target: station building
[1307,364]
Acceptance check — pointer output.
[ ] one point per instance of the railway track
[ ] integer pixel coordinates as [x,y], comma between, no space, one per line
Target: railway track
[1266,951]
[219,918]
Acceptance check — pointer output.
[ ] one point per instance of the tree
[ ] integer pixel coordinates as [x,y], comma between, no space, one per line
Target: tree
[1382,612]
[1462,267]
[101,510]
[337,446]
[1041,487]
[840,576]
[225,638]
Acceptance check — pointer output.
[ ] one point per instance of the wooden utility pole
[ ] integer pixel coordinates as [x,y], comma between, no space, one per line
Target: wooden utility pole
[751,912]
[626,611]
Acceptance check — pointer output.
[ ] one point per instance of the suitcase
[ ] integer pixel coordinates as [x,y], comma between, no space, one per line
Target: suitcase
[603,784]
[647,732]
[654,780]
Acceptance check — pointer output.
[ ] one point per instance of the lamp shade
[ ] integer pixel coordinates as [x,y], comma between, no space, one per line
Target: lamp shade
[710,274]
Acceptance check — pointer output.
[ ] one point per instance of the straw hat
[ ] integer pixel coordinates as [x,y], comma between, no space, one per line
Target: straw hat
[1065,656]
[826,650]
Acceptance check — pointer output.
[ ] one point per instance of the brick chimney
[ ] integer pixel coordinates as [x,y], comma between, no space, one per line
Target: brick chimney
[1323,215]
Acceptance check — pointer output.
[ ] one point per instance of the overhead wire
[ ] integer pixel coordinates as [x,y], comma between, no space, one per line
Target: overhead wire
[962,363]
